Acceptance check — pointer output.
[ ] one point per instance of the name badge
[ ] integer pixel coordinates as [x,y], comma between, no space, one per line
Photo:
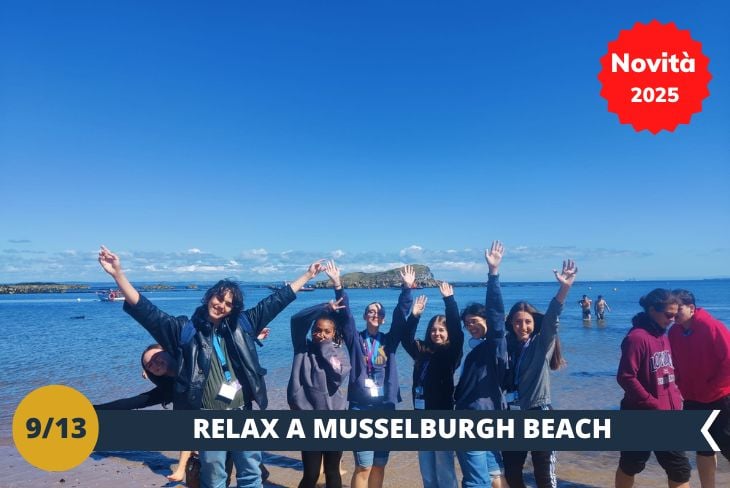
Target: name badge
[229,390]
[419,404]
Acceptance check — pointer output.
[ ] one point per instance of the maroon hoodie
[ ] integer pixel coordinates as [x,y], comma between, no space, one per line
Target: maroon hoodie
[646,372]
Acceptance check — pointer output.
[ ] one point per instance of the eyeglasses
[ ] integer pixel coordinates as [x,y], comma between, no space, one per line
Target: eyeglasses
[474,322]
[372,312]
[157,360]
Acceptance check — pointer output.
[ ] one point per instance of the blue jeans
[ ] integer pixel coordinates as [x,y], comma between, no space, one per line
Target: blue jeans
[437,469]
[368,459]
[213,469]
[479,467]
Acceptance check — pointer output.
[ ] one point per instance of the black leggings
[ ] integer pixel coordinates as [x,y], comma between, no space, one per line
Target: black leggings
[543,463]
[312,461]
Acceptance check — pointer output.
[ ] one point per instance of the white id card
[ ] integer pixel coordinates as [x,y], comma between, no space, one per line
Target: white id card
[419,404]
[229,390]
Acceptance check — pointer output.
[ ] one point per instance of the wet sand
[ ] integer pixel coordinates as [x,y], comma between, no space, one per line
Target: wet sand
[148,469]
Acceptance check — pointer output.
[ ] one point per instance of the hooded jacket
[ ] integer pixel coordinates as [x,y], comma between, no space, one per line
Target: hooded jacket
[191,339]
[319,369]
[702,357]
[646,371]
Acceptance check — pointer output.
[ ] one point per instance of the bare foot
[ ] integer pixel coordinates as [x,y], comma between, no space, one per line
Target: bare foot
[177,475]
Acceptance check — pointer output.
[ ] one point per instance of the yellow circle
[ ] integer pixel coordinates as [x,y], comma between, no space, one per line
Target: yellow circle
[55,428]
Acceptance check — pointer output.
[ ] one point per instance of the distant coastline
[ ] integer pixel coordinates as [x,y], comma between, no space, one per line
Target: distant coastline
[25,288]
[42,287]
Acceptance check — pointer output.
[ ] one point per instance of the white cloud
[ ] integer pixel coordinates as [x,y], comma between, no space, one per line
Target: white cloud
[194,250]
[412,250]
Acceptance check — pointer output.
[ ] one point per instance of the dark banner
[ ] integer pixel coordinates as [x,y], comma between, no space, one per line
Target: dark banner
[405,430]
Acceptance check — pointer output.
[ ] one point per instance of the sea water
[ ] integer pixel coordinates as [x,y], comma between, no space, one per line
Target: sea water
[73,339]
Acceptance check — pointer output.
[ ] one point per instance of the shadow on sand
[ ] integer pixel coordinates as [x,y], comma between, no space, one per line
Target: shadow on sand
[162,464]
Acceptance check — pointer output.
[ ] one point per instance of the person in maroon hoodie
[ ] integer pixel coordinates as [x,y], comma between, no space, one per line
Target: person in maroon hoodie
[646,374]
[701,348]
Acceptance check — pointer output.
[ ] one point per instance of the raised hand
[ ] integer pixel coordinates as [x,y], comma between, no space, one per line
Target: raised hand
[408,275]
[419,305]
[331,269]
[334,306]
[109,262]
[263,334]
[566,276]
[493,255]
[315,268]
[446,289]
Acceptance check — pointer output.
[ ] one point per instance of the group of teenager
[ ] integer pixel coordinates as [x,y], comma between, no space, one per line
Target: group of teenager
[210,361]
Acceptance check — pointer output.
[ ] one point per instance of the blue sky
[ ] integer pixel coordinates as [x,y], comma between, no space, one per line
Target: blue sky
[246,138]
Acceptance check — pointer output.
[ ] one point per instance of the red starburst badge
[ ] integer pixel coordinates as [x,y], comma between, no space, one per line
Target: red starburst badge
[654,76]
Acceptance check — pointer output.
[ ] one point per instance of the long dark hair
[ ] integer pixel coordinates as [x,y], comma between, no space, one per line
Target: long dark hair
[556,360]
[159,381]
[435,320]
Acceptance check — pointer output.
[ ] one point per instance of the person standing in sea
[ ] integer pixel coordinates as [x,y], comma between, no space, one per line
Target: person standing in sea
[701,354]
[218,366]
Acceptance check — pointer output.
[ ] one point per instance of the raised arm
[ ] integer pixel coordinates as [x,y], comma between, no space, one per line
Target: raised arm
[267,309]
[410,344]
[301,323]
[405,301]
[565,277]
[349,330]
[494,302]
[111,263]
[164,328]
[453,321]
[314,269]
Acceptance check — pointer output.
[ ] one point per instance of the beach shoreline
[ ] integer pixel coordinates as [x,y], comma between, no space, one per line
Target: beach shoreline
[148,469]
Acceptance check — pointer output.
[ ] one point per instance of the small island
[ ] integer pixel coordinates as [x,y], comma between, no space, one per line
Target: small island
[25,288]
[383,279]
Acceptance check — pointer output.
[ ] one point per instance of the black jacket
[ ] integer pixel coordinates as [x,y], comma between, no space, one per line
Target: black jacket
[441,361]
[190,341]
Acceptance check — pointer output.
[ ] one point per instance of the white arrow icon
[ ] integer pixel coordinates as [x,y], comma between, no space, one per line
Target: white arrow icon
[706,430]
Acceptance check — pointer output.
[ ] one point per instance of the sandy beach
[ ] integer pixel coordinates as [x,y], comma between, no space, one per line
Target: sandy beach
[148,469]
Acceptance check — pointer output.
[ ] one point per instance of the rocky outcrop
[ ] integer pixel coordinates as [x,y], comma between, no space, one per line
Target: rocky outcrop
[384,279]
[24,288]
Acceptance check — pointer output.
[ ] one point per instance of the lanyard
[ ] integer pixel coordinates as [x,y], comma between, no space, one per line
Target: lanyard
[221,356]
[519,361]
[371,345]
[424,370]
